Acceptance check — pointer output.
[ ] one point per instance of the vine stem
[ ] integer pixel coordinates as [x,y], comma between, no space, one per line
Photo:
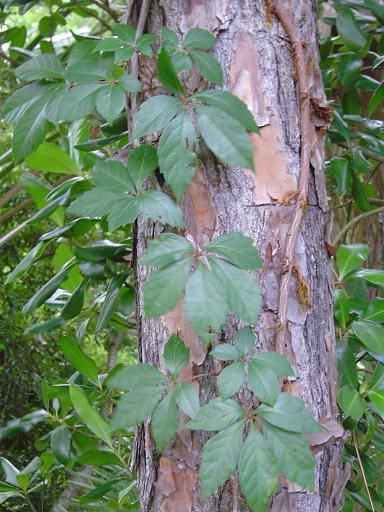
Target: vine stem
[354,221]
[362,471]
[302,191]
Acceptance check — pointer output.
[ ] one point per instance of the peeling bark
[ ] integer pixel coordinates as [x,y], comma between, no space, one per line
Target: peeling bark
[258,64]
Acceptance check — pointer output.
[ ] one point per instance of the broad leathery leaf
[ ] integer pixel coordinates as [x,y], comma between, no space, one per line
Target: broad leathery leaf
[199,38]
[134,407]
[159,207]
[164,288]
[208,66]
[350,402]
[348,257]
[176,157]
[216,415]
[100,250]
[47,290]
[74,304]
[165,421]
[225,352]
[359,193]
[110,101]
[374,311]
[231,379]
[96,202]
[371,334]
[89,415]
[129,83]
[276,362]
[92,144]
[187,398]
[236,249]
[373,276]
[95,457]
[263,381]
[245,340]
[376,100]
[293,456]
[289,413]
[27,261]
[349,30]
[43,66]
[51,158]
[225,137]
[167,74]
[75,228]
[136,376]
[155,114]
[10,471]
[176,355]
[346,364]
[258,472]
[113,175]
[98,493]
[110,301]
[205,305]
[166,249]
[377,398]
[232,105]
[61,444]
[240,290]
[220,457]
[142,161]
[78,359]
[342,307]
[123,212]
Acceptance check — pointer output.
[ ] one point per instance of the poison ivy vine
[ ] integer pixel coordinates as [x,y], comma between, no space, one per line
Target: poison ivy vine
[260,438]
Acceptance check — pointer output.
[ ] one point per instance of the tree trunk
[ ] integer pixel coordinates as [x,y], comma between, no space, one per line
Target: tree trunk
[258,58]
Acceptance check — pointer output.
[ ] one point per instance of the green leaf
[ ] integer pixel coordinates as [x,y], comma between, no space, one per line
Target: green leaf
[165,421]
[187,398]
[348,257]
[220,457]
[208,66]
[123,212]
[110,301]
[46,291]
[263,381]
[169,39]
[346,364]
[51,158]
[258,473]
[237,249]
[41,67]
[371,334]
[155,114]
[230,104]
[377,398]
[78,101]
[216,415]
[61,444]
[164,288]
[166,249]
[371,275]
[142,161]
[351,402]
[129,83]
[176,157]
[144,44]
[225,352]
[89,415]
[276,362]
[176,355]
[133,408]
[231,379]
[124,32]
[98,493]
[95,203]
[199,38]
[95,69]
[204,305]
[289,413]
[167,74]
[374,311]
[342,306]
[10,471]
[293,456]
[100,250]
[110,101]
[26,262]
[74,304]
[95,457]
[136,376]
[376,100]
[225,137]
[245,340]
[240,290]
[78,359]
[159,207]
[349,30]
[109,44]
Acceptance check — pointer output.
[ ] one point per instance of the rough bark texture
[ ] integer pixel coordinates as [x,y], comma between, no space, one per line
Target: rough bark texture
[257,59]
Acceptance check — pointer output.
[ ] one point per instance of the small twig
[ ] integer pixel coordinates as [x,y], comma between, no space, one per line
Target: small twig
[105,7]
[362,471]
[10,194]
[354,221]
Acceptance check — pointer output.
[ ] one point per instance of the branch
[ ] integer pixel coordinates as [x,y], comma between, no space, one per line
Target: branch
[27,203]
[354,221]
[10,194]
[302,192]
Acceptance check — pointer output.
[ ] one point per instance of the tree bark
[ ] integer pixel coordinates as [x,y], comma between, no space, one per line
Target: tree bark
[258,59]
